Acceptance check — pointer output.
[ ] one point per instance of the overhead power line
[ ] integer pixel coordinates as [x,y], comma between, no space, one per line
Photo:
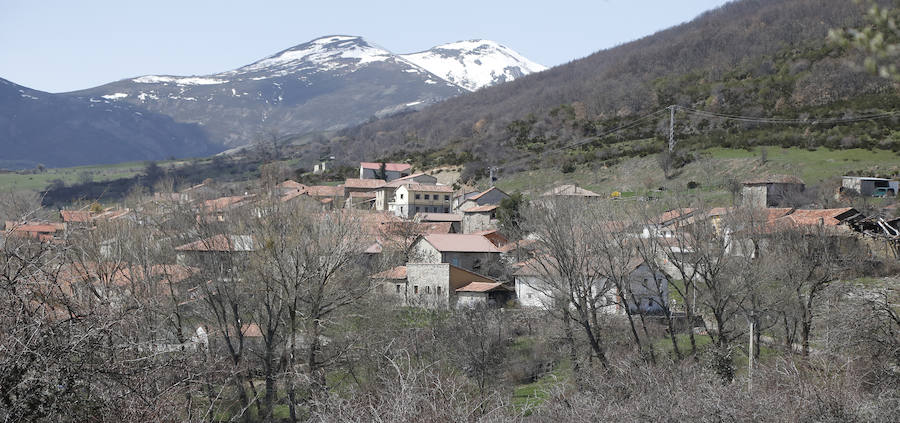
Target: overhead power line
[807,121]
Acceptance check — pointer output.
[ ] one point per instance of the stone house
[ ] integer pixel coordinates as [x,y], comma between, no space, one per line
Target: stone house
[471,252]
[492,196]
[479,218]
[771,191]
[438,286]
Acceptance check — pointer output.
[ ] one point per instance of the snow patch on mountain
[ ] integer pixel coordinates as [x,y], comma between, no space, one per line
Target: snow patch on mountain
[190,80]
[115,96]
[474,64]
[319,55]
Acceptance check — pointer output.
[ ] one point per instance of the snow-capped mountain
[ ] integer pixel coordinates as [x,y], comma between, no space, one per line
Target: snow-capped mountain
[325,84]
[474,64]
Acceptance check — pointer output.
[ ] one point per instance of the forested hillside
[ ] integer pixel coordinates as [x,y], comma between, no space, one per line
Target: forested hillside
[760,58]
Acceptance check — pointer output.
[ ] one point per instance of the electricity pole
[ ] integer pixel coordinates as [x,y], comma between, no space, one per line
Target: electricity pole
[671,128]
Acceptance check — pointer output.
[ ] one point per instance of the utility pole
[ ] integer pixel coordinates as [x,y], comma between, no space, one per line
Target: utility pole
[750,357]
[493,170]
[671,128]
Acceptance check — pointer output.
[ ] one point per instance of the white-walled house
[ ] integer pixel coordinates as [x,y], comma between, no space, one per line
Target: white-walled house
[420,198]
[650,290]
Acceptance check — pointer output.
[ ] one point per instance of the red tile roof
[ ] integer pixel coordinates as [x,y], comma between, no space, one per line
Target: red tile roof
[396,273]
[482,287]
[461,243]
[827,217]
[481,209]
[436,227]
[393,167]
[224,203]
[291,184]
[364,183]
[78,216]
[325,191]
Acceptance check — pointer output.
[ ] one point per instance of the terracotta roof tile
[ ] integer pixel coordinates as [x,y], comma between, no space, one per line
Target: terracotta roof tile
[481,209]
[364,183]
[396,273]
[325,191]
[482,287]
[78,216]
[462,243]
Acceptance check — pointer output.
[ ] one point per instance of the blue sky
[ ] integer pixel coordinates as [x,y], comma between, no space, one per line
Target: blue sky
[64,45]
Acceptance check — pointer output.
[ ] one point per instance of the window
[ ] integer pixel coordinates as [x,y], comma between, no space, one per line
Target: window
[398,288]
[428,289]
[446,198]
[426,196]
[415,289]
[439,290]
[418,196]
[446,209]
[401,196]
[417,209]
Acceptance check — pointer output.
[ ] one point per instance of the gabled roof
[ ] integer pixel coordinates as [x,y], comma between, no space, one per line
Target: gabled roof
[429,188]
[461,243]
[224,203]
[392,167]
[325,191]
[828,217]
[481,209]
[483,287]
[436,227]
[221,243]
[483,193]
[570,190]
[364,183]
[75,216]
[774,179]
[439,217]
[291,184]
[673,214]
[406,180]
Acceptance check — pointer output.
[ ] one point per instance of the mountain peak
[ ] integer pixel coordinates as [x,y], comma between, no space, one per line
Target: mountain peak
[474,64]
[326,53]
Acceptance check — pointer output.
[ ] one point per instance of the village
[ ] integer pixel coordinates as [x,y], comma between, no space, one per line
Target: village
[259,274]
[457,253]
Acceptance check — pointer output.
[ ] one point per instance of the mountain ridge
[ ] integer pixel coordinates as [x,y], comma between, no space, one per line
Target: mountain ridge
[325,84]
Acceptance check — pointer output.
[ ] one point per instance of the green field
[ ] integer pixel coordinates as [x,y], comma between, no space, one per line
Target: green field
[712,170]
[73,175]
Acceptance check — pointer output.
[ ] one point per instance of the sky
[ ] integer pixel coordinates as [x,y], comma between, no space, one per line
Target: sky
[66,45]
